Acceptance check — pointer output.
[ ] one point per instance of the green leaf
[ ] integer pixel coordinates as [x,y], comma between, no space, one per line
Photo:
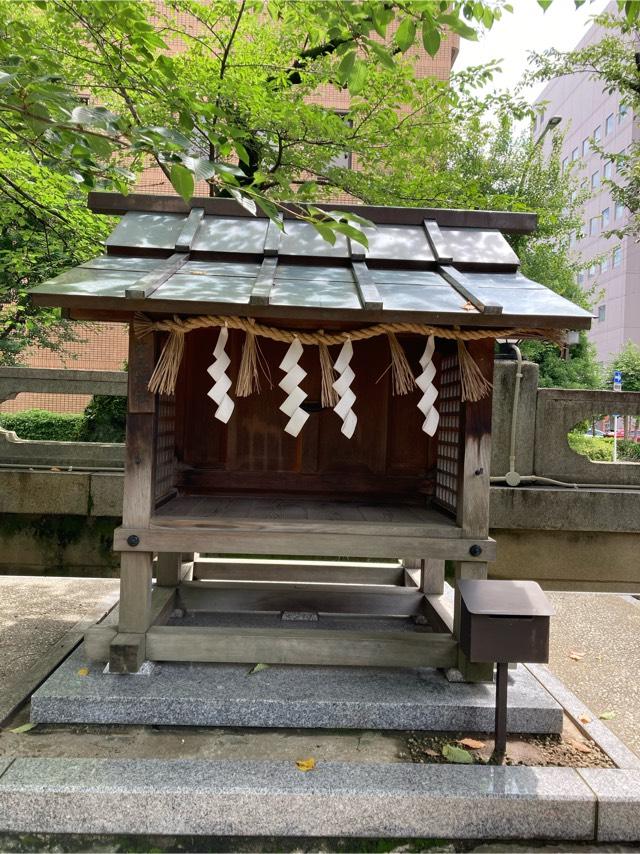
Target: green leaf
[23,728]
[457,754]
[358,78]
[383,56]
[458,26]
[607,716]
[245,201]
[430,38]
[182,181]
[257,668]
[346,65]
[326,231]
[406,34]
[544,4]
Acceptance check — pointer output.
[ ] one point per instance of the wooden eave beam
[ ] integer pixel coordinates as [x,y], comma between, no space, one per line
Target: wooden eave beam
[370,297]
[150,283]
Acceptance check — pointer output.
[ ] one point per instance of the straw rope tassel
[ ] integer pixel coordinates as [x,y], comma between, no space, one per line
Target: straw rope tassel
[222,384]
[424,381]
[473,384]
[342,385]
[402,378]
[290,383]
[328,395]
[248,378]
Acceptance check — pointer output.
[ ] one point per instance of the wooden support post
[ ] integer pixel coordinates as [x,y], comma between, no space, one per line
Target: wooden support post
[174,567]
[128,647]
[473,498]
[432,576]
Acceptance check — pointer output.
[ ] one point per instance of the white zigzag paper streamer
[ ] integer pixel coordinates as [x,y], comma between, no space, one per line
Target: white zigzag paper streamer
[290,383]
[429,392]
[342,385]
[218,372]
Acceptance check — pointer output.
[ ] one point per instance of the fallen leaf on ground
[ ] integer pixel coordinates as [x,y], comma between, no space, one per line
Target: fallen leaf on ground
[306,764]
[257,668]
[429,752]
[23,728]
[576,656]
[580,746]
[584,719]
[457,754]
[607,716]
[84,671]
[473,743]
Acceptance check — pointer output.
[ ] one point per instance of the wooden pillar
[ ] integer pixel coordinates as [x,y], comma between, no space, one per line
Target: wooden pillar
[473,492]
[174,567]
[127,650]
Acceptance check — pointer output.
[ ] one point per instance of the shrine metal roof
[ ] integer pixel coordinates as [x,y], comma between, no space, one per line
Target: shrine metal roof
[431,266]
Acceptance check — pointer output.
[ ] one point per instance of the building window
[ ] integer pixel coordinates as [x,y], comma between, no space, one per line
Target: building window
[622,112]
[605,217]
[592,270]
[619,209]
[595,180]
[607,170]
[580,277]
[585,147]
[617,256]
[597,134]
[572,238]
[604,265]
[608,125]
[574,154]
[565,163]
[594,225]
[602,311]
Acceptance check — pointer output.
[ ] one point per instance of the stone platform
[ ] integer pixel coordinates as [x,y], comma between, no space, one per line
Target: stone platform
[223,695]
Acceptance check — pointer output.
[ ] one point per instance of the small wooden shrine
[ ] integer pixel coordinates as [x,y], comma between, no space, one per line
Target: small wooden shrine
[288,397]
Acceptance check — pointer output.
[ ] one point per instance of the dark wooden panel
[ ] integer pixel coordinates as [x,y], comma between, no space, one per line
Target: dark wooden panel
[388,454]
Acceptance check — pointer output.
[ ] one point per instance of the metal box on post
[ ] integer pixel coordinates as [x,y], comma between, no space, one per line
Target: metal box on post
[504,621]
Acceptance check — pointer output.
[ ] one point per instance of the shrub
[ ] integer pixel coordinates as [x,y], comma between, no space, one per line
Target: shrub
[41,424]
[629,451]
[104,419]
[596,448]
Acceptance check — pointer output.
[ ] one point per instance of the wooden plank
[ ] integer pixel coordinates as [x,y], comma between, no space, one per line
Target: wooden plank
[272,238]
[466,289]
[357,251]
[168,569]
[301,646]
[437,242]
[135,592]
[513,223]
[126,653]
[274,598]
[473,497]
[141,363]
[432,576]
[332,573]
[189,230]
[149,284]
[261,289]
[368,292]
[438,613]
[312,542]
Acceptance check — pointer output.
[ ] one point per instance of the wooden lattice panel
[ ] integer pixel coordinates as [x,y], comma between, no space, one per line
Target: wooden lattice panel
[448,460]
[165,446]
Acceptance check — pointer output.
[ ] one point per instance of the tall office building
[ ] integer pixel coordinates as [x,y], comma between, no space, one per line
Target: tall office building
[612,264]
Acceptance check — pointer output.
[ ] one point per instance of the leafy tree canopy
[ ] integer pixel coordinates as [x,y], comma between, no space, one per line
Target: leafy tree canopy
[628,361]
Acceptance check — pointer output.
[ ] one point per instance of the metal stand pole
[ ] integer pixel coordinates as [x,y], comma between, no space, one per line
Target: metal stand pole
[501,709]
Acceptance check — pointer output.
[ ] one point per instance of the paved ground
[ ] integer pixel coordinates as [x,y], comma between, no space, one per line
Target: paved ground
[604,629]
[37,612]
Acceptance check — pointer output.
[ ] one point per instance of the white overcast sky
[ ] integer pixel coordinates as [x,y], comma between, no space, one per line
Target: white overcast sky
[528,28]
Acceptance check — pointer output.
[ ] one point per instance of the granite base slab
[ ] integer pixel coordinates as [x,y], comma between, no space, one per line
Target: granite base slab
[274,798]
[176,694]
[618,794]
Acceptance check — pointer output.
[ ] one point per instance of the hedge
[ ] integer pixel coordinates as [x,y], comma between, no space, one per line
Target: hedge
[102,421]
[600,448]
